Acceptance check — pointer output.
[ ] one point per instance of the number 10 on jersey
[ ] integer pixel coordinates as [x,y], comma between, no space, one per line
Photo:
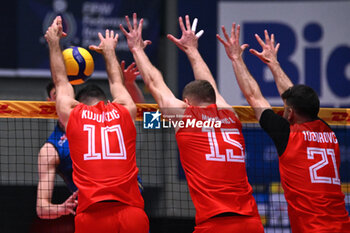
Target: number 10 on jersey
[105,143]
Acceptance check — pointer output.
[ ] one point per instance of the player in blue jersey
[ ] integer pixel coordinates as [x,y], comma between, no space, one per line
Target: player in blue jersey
[54,158]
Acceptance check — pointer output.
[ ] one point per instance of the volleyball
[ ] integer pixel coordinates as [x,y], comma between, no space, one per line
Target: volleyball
[79,64]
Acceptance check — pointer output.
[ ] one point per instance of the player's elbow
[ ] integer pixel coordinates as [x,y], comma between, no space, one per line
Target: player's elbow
[41,213]
[132,109]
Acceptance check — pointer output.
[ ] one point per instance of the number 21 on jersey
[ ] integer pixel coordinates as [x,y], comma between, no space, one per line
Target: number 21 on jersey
[105,143]
[324,153]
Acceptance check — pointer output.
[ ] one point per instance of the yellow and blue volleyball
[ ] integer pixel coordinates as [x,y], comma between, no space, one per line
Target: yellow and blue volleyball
[79,64]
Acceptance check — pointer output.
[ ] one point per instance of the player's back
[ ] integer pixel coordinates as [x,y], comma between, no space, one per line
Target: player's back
[309,170]
[214,162]
[102,141]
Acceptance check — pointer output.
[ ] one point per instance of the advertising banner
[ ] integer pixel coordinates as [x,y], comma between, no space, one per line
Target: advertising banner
[315,47]
[82,20]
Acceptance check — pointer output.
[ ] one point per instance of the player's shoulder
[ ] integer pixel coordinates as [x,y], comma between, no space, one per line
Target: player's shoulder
[118,107]
[56,133]
[324,124]
[48,154]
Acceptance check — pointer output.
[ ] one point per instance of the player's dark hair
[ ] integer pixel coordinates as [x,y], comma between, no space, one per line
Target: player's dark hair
[303,99]
[89,93]
[200,91]
[49,87]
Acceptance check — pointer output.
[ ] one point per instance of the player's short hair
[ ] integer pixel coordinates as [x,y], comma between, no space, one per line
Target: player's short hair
[303,99]
[90,93]
[200,91]
[49,87]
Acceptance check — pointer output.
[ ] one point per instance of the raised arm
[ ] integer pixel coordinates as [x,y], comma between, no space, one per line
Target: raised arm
[189,44]
[269,56]
[150,74]
[245,80]
[65,101]
[48,160]
[130,74]
[107,49]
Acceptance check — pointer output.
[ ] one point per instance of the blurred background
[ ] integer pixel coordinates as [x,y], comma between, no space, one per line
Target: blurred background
[314,37]
[315,50]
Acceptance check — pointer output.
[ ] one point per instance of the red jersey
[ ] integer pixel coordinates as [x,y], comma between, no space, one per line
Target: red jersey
[213,159]
[102,143]
[309,169]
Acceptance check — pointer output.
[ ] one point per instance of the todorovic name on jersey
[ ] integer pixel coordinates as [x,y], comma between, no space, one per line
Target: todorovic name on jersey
[104,116]
[320,137]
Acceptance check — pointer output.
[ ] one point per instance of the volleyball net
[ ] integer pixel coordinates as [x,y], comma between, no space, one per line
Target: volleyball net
[25,127]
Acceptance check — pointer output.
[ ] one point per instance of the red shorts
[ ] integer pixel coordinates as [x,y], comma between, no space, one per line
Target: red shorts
[230,224]
[111,217]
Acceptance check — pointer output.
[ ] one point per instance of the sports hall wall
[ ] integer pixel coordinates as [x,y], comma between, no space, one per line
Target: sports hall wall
[315,50]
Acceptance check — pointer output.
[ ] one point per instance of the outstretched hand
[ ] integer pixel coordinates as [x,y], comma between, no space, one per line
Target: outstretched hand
[55,32]
[107,43]
[233,49]
[70,204]
[134,36]
[269,52]
[130,73]
[188,38]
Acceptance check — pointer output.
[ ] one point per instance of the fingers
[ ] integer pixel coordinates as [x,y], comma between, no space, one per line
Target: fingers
[93,47]
[225,33]
[172,38]
[277,47]
[238,31]
[221,40]
[233,28]
[135,20]
[272,39]
[140,26]
[100,36]
[147,42]
[244,46]
[70,207]
[122,65]
[273,43]
[132,67]
[54,23]
[267,38]
[254,52]
[74,195]
[59,21]
[123,30]
[260,41]
[107,33]
[200,33]
[181,23]
[71,211]
[128,23]
[188,24]
[194,25]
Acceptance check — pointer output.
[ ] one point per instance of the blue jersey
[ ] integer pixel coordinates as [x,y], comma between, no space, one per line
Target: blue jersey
[59,140]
